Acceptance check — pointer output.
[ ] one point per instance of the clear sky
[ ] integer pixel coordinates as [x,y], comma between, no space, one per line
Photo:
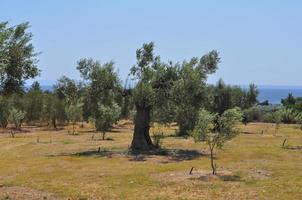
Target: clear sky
[259,41]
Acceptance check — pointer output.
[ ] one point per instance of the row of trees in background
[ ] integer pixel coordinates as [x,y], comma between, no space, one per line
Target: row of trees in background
[163,92]
[289,112]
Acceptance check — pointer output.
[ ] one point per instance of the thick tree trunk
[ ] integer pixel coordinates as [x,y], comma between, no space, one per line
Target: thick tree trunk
[212,158]
[141,138]
[54,124]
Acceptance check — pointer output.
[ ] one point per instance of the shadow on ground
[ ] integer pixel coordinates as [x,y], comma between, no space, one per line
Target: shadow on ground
[167,155]
[293,147]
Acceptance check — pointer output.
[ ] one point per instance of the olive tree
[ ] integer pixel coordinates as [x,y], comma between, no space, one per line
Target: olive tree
[4,111]
[15,117]
[168,89]
[67,89]
[17,58]
[53,110]
[74,114]
[106,117]
[276,118]
[154,81]
[215,129]
[34,103]
[102,89]
[189,90]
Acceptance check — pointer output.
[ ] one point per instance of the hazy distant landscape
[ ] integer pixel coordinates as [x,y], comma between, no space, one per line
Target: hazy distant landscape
[273,94]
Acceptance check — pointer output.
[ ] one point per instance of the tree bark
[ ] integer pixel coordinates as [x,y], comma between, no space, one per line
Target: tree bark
[212,159]
[104,135]
[54,124]
[141,137]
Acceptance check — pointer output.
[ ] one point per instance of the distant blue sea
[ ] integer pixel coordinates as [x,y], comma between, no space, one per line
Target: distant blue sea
[273,94]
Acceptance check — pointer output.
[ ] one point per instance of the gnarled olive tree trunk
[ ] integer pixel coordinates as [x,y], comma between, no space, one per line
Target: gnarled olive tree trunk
[141,138]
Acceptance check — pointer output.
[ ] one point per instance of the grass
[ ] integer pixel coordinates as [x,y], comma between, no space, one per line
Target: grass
[65,166]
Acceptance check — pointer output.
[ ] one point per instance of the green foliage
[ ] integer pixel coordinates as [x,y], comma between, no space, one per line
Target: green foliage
[157,136]
[298,119]
[67,89]
[102,85]
[189,89]
[74,113]
[252,114]
[106,117]
[289,101]
[292,102]
[53,110]
[204,126]
[17,58]
[251,96]
[288,115]
[15,117]
[4,112]
[226,123]
[172,91]
[144,95]
[272,117]
[34,103]
[215,129]
[223,97]
[260,113]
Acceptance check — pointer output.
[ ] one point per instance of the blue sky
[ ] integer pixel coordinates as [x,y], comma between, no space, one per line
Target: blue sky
[259,41]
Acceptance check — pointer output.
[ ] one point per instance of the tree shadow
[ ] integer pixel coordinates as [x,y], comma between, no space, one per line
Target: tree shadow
[293,147]
[93,153]
[169,155]
[53,129]
[249,133]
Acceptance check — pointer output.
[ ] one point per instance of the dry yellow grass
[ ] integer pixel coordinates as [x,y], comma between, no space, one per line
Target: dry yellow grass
[63,166]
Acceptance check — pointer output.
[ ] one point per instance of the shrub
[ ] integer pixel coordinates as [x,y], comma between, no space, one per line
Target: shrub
[106,117]
[288,115]
[16,117]
[157,136]
[74,114]
[4,112]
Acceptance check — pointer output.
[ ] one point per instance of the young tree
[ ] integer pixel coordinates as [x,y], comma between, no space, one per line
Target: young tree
[74,114]
[215,129]
[106,117]
[17,58]
[16,117]
[276,118]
